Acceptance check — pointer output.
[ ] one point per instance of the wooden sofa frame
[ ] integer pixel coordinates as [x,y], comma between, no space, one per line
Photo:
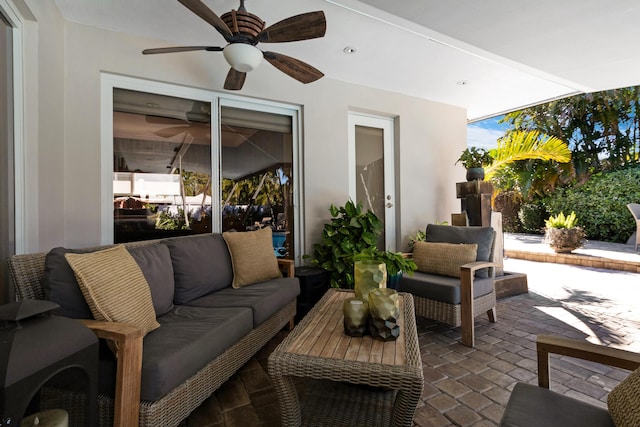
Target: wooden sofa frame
[125,408]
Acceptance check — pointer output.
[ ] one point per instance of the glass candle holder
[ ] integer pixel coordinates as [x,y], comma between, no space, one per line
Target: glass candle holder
[356,316]
[369,275]
[384,311]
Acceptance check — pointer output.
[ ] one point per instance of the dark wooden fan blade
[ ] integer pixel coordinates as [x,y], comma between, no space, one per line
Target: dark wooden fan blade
[181,49]
[200,9]
[235,80]
[306,26]
[295,68]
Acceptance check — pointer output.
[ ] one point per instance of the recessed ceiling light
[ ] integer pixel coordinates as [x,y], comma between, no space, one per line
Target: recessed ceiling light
[349,50]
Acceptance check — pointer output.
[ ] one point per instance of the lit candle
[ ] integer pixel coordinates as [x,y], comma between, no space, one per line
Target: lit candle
[51,418]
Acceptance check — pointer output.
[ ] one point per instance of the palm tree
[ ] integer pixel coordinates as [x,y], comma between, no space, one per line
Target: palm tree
[528,162]
[527,145]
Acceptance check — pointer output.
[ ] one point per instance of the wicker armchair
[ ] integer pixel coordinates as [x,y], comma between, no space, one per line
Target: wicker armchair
[531,405]
[456,300]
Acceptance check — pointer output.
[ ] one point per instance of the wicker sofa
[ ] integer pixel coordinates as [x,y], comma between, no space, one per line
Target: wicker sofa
[455,278]
[208,328]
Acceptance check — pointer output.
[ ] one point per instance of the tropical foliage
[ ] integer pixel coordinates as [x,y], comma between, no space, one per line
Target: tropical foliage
[351,230]
[602,129]
[601,204]
[562,221]
[524,146]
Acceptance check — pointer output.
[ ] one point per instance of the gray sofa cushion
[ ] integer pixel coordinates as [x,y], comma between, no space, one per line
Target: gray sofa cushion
[482,236]
[532,406]
[155,263]
[441,288]
[61,287]
[187,340]
[201,265]
[264,298]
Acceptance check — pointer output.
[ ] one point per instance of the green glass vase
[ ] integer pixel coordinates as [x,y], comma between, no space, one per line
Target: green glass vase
[384,312]
[369,275]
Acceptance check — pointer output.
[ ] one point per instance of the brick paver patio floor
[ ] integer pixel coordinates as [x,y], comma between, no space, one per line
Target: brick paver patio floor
[470,387]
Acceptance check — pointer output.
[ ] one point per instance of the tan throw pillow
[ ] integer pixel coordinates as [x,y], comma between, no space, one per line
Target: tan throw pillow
[114,287]
[444,259]
[624,401]
[252,256]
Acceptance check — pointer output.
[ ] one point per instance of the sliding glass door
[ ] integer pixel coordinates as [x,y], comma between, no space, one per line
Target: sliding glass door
[257,174]
[185,161]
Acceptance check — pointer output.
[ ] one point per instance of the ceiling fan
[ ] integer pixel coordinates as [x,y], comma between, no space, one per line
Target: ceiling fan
[244,30]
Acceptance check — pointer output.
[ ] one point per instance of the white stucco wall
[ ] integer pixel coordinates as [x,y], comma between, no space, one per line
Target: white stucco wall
[66,193]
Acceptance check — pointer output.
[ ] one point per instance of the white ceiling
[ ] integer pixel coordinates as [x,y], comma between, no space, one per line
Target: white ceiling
[487,56]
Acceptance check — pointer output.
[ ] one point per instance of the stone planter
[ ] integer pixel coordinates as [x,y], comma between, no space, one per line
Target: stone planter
[475,174]
[564,240]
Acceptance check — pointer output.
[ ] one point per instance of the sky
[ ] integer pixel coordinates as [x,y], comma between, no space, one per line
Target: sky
[485,133]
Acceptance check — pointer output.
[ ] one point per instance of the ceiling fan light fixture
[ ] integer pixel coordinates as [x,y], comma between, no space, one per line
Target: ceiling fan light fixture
[242,57]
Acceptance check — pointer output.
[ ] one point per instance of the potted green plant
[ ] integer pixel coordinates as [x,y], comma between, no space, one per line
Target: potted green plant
[350,231]
[563,234]
[474,160]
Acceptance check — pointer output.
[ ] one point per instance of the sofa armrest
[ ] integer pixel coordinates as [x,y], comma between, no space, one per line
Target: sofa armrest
[129,367]
[584,350]
[287,267]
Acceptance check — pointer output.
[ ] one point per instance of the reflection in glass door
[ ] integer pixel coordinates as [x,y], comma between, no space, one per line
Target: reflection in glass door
[189,161]
[162,166]
[257,174]
[371,171]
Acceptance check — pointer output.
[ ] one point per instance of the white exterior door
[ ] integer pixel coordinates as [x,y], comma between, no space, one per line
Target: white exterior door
[371,170]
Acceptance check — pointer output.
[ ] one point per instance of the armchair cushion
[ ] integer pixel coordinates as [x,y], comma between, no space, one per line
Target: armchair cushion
[443,258]
[533,406]
[624,401]
[252,256]
[482,236]
[441,288]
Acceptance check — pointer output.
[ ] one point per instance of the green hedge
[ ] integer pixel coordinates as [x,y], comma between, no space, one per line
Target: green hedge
[601,204]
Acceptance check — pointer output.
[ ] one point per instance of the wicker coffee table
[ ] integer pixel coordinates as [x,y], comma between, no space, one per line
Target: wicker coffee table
[319,349]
